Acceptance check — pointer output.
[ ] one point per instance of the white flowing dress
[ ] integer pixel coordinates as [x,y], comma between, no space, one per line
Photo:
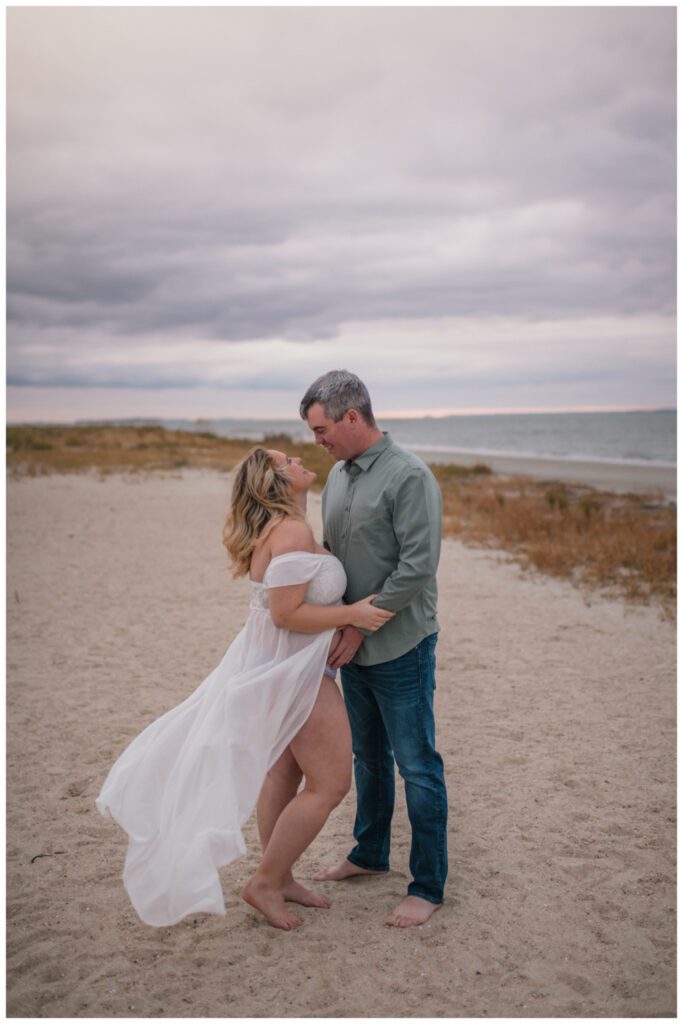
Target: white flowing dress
[185,786]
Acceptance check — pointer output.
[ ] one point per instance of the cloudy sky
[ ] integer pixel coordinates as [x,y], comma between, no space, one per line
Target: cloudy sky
[472,208]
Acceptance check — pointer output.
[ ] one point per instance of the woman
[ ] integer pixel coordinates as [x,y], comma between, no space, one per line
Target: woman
[268,714]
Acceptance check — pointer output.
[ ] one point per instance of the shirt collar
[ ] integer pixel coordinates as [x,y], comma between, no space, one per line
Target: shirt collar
[370,455]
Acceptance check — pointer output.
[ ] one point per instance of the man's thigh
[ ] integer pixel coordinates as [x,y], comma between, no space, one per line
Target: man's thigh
[404,691]
[365,716]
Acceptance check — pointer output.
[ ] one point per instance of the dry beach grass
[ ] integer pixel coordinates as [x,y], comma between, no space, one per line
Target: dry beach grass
[556,720]
[623,542]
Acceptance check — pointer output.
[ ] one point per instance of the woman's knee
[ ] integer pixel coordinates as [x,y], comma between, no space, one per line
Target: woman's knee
[340,786]
[331,791]
[344,786]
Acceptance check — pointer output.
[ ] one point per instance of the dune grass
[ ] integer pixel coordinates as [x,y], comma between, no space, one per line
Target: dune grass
[33,451]
[625,544]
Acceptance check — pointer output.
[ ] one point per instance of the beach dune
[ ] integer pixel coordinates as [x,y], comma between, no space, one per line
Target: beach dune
[556,721]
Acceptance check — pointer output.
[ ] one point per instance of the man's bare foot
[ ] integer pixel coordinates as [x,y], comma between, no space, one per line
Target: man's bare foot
[411,912]
[271,903]
[344,870]
[295,892]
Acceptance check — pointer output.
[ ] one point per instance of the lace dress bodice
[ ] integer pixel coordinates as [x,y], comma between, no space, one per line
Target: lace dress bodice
[326,585]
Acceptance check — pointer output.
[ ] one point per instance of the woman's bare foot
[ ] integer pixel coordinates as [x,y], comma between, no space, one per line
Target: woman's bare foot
[271,903]
[344,870]
[411,912]
[295,892]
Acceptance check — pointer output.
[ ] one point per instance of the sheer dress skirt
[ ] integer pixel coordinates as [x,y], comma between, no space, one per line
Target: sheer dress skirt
[186,785]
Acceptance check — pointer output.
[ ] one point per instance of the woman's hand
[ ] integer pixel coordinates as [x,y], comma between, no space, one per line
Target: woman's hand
[364,615]
[345,647]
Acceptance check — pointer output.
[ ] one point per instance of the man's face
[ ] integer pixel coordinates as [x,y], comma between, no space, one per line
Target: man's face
[340,439]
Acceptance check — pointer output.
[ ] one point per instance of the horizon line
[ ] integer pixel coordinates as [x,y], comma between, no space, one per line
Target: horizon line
[521,410]
[389,415]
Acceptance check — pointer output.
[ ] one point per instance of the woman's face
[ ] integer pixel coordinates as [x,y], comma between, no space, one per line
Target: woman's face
[299,478]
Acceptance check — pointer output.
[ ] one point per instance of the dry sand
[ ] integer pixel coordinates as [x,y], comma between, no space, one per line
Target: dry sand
[556,720]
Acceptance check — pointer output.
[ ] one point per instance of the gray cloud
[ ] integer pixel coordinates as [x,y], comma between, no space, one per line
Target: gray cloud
[229,174]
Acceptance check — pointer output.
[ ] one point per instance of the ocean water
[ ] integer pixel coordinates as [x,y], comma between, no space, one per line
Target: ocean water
[622,437]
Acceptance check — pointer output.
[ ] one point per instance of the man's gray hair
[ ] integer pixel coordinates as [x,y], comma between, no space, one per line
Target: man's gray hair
[338,391]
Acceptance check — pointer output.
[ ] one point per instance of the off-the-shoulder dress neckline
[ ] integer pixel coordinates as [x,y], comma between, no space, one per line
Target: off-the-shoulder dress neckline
[287,554]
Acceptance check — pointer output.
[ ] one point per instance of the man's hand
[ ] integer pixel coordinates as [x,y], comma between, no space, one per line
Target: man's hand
[344,646]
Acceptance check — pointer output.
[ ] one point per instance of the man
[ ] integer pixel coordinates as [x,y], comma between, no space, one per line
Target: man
[382,519]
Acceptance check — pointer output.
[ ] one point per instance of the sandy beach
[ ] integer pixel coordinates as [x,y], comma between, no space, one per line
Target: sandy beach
[556,721]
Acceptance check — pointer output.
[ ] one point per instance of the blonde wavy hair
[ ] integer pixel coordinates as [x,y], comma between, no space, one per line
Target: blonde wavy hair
[261,498]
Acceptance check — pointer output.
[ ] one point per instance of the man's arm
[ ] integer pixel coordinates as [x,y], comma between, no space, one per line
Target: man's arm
[417,526]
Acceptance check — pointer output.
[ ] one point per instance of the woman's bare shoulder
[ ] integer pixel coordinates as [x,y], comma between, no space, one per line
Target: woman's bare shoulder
[291,535]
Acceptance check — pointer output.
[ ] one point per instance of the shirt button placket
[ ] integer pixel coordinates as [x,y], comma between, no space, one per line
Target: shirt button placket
[347,509]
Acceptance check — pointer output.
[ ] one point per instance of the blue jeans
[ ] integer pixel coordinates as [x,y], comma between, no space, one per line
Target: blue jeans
[391,710]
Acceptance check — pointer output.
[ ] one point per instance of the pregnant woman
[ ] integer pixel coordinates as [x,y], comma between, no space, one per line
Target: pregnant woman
[268,715]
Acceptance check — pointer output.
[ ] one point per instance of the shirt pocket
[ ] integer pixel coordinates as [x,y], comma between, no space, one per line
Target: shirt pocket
[371,525]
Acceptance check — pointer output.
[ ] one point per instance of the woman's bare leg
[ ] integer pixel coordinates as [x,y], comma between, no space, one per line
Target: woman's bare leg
[322,749]
[279,787]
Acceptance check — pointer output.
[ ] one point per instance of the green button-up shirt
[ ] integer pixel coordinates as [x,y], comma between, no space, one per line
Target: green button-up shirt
[382,519]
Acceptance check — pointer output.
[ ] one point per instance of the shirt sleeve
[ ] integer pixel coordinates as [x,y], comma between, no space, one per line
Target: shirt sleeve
[417,525]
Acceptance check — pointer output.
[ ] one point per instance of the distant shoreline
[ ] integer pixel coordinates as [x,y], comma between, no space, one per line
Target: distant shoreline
[621,477]
[611,539]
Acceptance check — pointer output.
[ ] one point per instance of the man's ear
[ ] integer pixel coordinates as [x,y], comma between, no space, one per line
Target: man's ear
[353,417]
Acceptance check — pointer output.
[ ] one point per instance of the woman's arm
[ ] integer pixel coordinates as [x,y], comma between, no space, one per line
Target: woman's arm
[288,607]
[289,610]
